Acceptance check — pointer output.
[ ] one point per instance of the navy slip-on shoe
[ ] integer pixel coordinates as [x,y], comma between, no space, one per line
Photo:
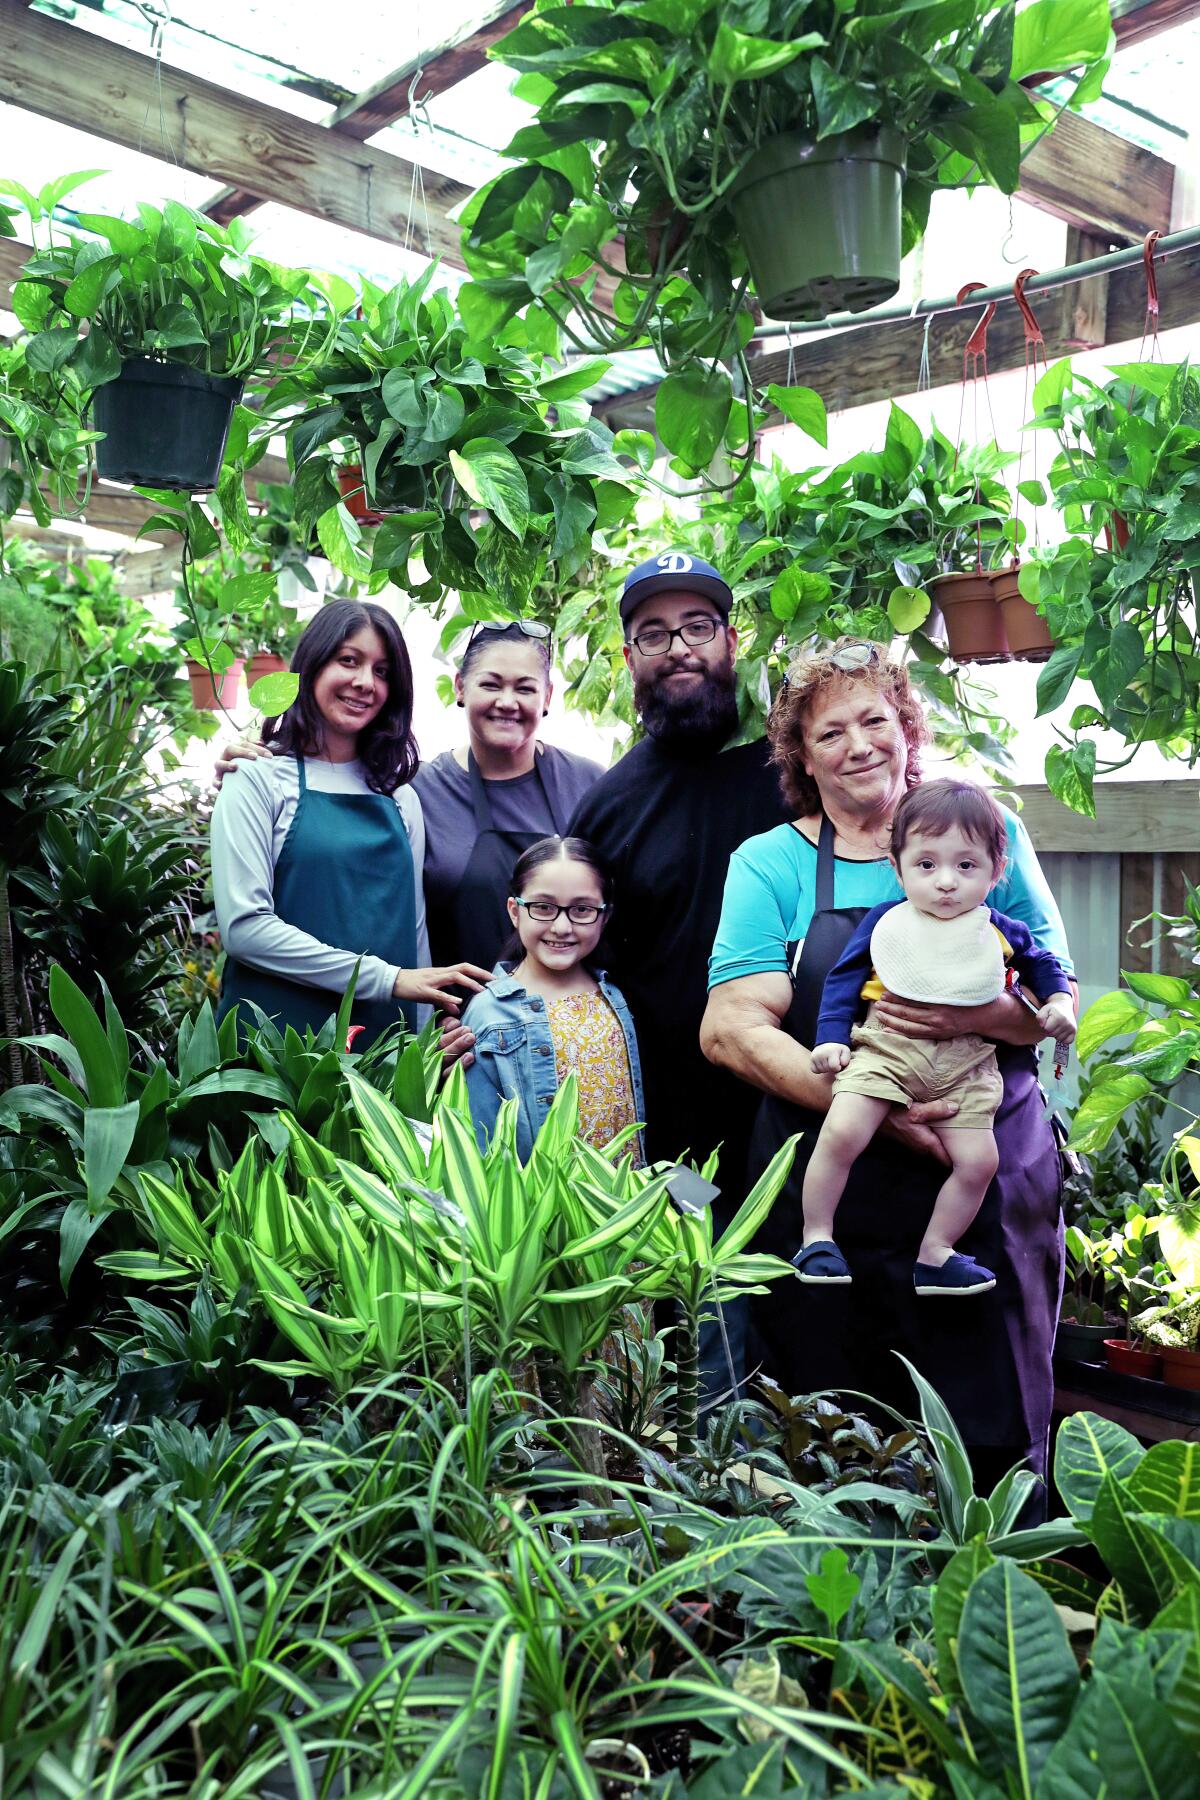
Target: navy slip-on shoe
[822,1262]
[958,1275]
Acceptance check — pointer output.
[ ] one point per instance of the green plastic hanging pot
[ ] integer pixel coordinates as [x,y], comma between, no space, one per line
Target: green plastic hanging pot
[820,221]
[164,425]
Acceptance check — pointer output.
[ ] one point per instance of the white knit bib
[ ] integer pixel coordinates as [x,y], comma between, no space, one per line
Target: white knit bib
[950,962]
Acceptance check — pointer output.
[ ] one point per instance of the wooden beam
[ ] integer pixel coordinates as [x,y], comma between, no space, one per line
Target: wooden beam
[140,572]
[1136,20]
[1083,308]
[1130,816]
[78,79]
[1098,181]
[12,258]
[877,362]
[420,79]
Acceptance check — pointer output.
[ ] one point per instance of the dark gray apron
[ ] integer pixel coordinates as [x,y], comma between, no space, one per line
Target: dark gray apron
[479,914]
[989,1357]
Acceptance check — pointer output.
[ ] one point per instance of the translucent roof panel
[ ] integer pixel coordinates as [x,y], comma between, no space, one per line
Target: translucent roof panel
[1150,93]
[300,241]
[461,132]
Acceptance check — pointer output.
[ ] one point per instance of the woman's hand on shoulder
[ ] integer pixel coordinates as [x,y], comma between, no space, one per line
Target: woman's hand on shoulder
[242,749]
[431,987]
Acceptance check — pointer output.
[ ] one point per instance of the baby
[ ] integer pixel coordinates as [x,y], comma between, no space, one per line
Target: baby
[941,944]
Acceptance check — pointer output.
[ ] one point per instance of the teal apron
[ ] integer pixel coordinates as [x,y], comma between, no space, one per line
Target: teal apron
[344,875]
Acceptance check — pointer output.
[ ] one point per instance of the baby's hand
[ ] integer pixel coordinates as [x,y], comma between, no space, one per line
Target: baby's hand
[1057,1019]
[827,1059]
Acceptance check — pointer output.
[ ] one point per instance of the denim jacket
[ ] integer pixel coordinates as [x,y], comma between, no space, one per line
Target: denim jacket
[514,1056]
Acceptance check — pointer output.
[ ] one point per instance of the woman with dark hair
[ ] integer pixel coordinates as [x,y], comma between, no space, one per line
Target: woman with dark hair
[550,1013]
[501,792]
[317,848]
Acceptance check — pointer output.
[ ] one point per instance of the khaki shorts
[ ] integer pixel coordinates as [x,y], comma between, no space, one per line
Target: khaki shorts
[889,1066]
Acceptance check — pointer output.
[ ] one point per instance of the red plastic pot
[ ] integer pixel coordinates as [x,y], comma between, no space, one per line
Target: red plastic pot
[208,696]
[352,487]
[263,662]
[974,622]
[1181,1368]
[1025,630]
[1127,1359]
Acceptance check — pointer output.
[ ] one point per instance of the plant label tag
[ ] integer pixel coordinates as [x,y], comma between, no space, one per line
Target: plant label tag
[689,1192]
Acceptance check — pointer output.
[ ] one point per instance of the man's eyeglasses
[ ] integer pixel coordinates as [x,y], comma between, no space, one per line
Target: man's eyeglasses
[580,912]
[532,628]
[657,640]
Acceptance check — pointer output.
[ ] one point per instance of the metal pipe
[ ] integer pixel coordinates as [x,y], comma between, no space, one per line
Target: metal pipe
[1054,278]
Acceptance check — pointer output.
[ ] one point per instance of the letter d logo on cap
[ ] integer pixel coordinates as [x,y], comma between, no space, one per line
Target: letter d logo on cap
[677,562]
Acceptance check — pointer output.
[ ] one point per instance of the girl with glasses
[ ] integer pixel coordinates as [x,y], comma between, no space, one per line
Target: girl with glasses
[549,1012]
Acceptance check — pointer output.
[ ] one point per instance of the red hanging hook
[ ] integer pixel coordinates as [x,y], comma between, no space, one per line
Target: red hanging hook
[975,348]
[1152,311]
[1034,339]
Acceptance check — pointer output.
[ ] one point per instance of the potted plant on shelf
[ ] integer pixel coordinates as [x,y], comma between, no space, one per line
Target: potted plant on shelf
[1173,1327]
[156,327]
[272,633]
[796,143]
[1124,1257]
[488,459]
[221,600]
[1083,1320]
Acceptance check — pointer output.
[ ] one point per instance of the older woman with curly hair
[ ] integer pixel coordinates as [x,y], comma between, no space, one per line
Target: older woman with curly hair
[847,734]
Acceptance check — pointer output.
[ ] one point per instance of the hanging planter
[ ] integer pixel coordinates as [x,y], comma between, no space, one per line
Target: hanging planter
[352,487]
[1025,631]
[210,696]
[1125,1358]
[263,662]
[974,622]
[820,221]
[164,425]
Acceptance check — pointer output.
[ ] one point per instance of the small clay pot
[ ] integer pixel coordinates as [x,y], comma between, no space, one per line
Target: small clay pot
[1181,1368]
[353,490]
[1129,1359]
[1025,630]
[974,622]
[208,696]
[263,662]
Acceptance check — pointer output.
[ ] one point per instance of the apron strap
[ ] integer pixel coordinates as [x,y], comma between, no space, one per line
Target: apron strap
[825,866]
[483,806]
[300,773]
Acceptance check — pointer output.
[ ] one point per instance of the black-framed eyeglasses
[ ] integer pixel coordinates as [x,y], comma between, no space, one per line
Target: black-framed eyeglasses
[656,640]
[531,628]
[580,912]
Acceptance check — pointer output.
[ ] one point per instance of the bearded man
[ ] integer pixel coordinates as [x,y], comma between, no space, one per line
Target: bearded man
[666,819]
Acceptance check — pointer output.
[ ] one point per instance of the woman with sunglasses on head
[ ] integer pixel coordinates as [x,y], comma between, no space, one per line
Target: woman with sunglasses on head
[549,1012]
[317,845]
[501,792]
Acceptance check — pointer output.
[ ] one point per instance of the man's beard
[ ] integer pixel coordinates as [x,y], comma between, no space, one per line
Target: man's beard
[703,716]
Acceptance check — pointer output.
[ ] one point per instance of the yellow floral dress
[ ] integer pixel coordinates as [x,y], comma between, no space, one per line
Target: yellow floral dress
[589,1042]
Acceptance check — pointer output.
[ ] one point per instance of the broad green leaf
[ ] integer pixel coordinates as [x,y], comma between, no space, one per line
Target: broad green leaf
[1120,1741]
[1087,1449]
[78,1018]
[489,472]
[908,607]
[799,597]
[691,409]
[736,56]
[834,1587]
[1179,1237]
[89,287]
[1070,773]
[1057,35]
[1097,1117]
[1017,1669]
[1110,1016]
[1135,1560]
[340,538]
[949,1597]
[108,1133]
[1050,389]
[1056,676]
[1166,990]
[802,406]
[1167,1479]
[273,694]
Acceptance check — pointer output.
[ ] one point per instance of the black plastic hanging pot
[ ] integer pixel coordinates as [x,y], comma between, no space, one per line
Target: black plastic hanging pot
[164,425]
[820,222]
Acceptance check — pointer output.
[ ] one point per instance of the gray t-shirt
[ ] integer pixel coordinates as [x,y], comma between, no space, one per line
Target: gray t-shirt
[444,788]
[251,820]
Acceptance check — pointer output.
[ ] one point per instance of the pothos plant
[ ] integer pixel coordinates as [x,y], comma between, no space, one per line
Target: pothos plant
[487,462]
[1119,593]
[648,115]
[172,285]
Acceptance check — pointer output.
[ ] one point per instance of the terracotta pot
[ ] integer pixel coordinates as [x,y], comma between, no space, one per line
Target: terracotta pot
[974,622]
[263,662]
[353,491]
[1025,630]
[206,697]
[1080,1343]
[1181,1368]
[1127,1359]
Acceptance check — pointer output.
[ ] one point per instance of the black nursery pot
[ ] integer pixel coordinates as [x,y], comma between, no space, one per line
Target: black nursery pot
[164,425]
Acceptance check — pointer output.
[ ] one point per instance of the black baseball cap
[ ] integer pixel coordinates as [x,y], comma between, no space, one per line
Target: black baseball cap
[678,571]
